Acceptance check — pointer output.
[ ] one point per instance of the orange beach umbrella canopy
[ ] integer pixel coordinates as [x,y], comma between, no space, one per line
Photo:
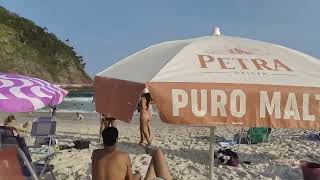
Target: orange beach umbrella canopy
[216,80]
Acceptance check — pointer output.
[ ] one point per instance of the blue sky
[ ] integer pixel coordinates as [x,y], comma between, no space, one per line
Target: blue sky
[104,32]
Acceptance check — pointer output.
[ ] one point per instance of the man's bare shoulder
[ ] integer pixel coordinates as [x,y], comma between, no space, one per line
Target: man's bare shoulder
[122,154]
[116,152]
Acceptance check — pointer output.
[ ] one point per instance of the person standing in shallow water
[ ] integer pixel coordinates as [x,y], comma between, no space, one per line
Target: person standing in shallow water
[144,108]
[53,111]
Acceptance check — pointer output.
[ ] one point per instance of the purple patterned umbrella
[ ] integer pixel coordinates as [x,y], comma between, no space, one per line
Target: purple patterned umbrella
[25,94]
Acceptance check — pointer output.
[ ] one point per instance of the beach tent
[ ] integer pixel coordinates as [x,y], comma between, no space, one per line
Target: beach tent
[25,94]
[216,80]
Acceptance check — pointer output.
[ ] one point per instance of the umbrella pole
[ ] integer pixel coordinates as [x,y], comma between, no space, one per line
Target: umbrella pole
[211,153]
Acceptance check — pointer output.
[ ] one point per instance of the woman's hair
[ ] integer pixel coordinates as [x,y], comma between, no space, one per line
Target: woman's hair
[8,120]
[148,98]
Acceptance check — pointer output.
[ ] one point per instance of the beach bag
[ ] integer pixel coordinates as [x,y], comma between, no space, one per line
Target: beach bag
[81,144]
[311,171]
[228,157]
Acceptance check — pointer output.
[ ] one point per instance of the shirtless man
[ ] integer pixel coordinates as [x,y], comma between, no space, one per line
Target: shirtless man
[111,163]
[145,117]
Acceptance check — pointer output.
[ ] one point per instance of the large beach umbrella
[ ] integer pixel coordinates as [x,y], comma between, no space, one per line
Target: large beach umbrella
[25,94]
[216,80]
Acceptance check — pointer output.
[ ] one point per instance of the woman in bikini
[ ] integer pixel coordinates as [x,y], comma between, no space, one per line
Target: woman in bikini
[145,118]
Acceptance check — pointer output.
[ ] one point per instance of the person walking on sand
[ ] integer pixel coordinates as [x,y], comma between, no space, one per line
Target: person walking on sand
[111,163]
[145,117]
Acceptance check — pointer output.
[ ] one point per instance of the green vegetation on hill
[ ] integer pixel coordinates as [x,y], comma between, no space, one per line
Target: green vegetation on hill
[26,48]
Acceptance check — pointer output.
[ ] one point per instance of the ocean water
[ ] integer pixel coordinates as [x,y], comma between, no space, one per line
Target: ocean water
[76,101]
[82,101]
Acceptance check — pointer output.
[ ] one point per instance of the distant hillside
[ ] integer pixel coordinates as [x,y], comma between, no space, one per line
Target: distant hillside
[26,48]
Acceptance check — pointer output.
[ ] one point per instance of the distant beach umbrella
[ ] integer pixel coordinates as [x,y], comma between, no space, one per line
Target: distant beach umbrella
[25,94]
[216,80]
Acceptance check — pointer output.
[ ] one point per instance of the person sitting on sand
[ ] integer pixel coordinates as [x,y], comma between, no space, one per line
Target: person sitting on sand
[144,108]
[111,163]
[106,122]
[11,121]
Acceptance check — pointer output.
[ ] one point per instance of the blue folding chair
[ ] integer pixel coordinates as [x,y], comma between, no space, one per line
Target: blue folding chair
[43,128]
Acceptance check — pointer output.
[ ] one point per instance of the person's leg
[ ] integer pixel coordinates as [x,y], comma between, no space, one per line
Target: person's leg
[136,176]
[151,173]
[158,166]
[141,134]
[145,133]
[149,130]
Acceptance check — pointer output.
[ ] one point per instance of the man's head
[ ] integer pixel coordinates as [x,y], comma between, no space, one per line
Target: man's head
[110,136]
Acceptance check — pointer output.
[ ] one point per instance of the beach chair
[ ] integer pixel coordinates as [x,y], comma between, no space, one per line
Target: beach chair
[43,129]
[258,135]
[9,137]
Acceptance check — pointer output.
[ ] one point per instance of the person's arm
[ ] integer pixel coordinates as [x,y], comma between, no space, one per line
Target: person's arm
[93,166]
[129,175]
[25,125]
[139,106]
[129,169]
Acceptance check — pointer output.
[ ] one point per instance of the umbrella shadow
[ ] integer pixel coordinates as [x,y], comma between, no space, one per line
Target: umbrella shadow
[282,171]
[207,138]
[202,156]
[77,133]
[255,158]
[67,137]
[195,155]
[131,148]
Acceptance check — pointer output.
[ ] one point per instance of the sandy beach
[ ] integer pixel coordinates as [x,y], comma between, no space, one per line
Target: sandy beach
[186,150]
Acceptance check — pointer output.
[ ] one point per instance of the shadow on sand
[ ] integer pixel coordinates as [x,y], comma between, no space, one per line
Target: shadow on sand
[206,138]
